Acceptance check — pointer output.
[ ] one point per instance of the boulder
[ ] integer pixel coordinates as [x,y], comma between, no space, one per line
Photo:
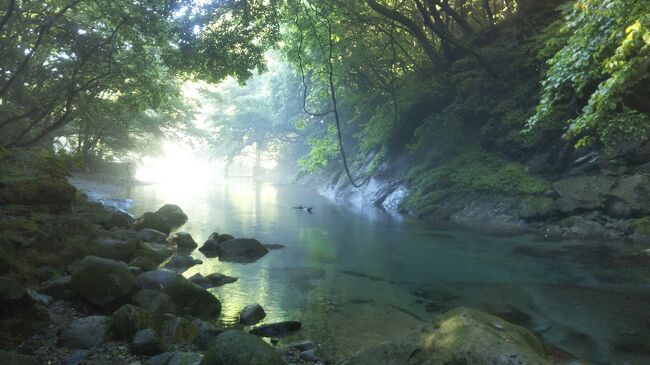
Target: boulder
[12,358]
[218,279]
[201,281]
[583,193]
[189,298]
[224,237]
[243,250]
[210,246]
[182,240]
[103,282]
[180,263]
[85,332]
[117,220]
[631,196]
[151,235]
[146,342]
[154,301]
[175,358]
[172,214]
[144,263]
[129,319]
[114,249]
[251,314]
[460,336]
[276,330]
[239,348]
[156,252]
[153,221]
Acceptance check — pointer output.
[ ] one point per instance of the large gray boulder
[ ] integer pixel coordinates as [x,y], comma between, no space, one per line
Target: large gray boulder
[103,282]
[86,332]
[189,298]
[153,221]
[129,319]
[583,193]
[243,250]
[182,240]
[114,248]
[460,336]
[239,348]
[631,196]
[173,214]
[154,301]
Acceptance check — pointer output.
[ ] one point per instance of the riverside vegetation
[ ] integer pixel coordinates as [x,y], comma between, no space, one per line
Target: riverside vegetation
[510,115]
[82,283]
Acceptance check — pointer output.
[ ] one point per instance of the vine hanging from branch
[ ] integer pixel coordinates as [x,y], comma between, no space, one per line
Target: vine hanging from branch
[329,65]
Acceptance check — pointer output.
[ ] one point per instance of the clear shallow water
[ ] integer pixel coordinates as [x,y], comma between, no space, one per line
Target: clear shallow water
[358,276]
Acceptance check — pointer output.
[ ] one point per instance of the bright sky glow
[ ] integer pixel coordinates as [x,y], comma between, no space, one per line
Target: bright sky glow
[179,164]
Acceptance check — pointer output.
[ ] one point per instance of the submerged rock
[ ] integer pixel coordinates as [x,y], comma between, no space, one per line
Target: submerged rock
[242,250]
[86,332]
[103,282]
[180,263]
[277,330]
[239,348]
[218,279]
[201,281]
[460,336]
[251,314]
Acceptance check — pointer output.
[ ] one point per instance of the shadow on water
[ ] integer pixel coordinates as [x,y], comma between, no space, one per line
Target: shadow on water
[358,276]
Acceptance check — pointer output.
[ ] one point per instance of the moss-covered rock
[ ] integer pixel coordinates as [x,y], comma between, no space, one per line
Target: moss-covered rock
[103,282]
[54,192]
[459,337]
[129,319]
[189,298]
[240,348]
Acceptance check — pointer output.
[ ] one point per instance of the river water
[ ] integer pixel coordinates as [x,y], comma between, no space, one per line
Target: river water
[359,276]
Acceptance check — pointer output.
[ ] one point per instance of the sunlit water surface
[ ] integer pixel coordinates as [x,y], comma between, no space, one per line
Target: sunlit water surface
[356,277]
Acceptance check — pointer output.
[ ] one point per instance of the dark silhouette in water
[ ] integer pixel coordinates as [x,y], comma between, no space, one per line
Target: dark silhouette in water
[306,209]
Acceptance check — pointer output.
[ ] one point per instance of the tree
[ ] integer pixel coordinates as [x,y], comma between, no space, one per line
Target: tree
[601,69]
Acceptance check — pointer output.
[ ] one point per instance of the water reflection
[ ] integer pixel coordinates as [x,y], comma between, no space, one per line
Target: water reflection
[358,276]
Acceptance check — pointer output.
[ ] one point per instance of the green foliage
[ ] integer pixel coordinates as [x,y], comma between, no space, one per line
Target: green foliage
[605,55]
[478,171]
[322,151]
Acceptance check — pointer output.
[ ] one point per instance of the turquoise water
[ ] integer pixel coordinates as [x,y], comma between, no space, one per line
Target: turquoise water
[358,276]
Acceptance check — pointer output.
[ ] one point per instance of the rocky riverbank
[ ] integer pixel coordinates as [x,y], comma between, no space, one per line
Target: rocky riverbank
[561,195]
[84,284]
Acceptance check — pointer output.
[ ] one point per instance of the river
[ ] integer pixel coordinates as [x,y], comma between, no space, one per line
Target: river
[358,276]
